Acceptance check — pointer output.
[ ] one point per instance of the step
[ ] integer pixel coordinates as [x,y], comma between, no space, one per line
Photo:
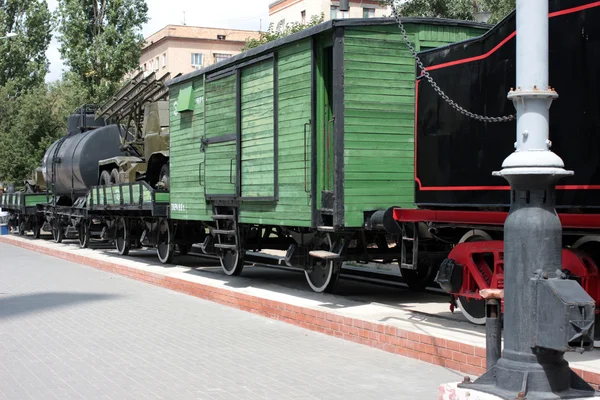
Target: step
[224,216]
[408,266]
[325,229]
[408,239]
[226,246]
[322,254]
[223,232]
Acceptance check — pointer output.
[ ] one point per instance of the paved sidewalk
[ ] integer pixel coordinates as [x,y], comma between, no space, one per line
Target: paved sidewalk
[70,331]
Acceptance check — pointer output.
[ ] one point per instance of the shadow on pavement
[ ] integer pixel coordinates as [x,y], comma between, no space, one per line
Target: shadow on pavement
[13,305]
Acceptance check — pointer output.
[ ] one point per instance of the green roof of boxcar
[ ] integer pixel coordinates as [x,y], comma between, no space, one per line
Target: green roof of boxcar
[325,26]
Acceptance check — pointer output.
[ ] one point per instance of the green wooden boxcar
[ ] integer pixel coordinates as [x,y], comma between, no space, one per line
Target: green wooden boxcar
[304,145]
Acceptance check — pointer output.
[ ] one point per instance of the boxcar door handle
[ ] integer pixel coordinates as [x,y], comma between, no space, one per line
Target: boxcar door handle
[330,128]
[305,157]
[200,173]
[231,170]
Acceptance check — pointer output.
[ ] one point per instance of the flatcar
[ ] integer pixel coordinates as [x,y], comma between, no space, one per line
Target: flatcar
[457,200]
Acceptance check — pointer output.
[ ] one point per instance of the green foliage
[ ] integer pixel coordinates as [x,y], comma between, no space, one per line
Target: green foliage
[282,30]
[101,41]
[33,120]
[456,9]
[23,62]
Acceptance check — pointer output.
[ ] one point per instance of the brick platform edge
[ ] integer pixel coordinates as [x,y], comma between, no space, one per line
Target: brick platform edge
[446,353]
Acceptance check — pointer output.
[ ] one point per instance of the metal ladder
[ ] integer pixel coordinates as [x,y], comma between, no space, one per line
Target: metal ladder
[226,228]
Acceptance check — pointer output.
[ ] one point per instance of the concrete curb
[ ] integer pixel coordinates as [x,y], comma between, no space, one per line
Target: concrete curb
[453,355]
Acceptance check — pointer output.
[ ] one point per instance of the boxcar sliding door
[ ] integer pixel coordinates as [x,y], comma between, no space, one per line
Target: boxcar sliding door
[258,162]
[220,142]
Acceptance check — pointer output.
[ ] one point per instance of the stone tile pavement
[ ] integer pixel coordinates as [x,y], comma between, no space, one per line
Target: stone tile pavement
[72,332]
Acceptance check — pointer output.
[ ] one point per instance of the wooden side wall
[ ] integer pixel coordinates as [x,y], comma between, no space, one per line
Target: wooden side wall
[293,207]
[258,131]
[379,91]
[220,158]
[186,160]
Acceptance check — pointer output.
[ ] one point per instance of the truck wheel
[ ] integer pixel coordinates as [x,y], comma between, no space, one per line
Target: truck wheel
[114,176]
[104,178]
[165,176]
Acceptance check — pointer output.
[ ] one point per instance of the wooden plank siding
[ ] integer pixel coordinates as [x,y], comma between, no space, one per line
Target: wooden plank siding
[221,120]
[257,131]
[275,131]
[186,159]
[293,207]
[379,90]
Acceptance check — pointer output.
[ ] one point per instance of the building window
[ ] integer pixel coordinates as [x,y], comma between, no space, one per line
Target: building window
[221,37]
[303,16]
[145,67]
[335,13]
[164,64]
[197,59]
[221,57]
[151,65]
[157,64]
[368,12]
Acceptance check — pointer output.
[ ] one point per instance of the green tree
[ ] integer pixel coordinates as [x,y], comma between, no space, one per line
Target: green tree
[101,40]
[33,120]
[456,9]
[282,30]
[24,56]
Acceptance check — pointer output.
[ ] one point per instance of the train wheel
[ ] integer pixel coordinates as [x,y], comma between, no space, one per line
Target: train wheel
[184,248]
[323,276]
[22,225]
[104,178]
[473,309]
[36,228]
[114,176]
[122,239]
[58,234]
[165,248]
[422,277]
[232,262]
[84,234]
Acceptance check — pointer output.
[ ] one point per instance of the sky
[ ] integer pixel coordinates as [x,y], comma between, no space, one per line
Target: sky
[232,14]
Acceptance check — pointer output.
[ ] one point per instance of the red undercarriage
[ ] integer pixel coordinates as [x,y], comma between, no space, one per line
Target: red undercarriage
[483,262]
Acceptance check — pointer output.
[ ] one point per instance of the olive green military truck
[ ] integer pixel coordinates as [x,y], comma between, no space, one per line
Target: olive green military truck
[141,110]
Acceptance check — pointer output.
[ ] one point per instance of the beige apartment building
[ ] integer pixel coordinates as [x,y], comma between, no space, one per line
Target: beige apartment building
[183,49]
[302,10]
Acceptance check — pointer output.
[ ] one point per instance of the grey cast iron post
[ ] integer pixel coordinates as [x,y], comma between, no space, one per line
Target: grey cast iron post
[544,315]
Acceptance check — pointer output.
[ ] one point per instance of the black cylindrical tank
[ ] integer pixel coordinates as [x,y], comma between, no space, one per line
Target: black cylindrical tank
[77,157]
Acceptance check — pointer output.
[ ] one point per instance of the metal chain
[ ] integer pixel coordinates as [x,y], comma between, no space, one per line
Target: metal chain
[434,85]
